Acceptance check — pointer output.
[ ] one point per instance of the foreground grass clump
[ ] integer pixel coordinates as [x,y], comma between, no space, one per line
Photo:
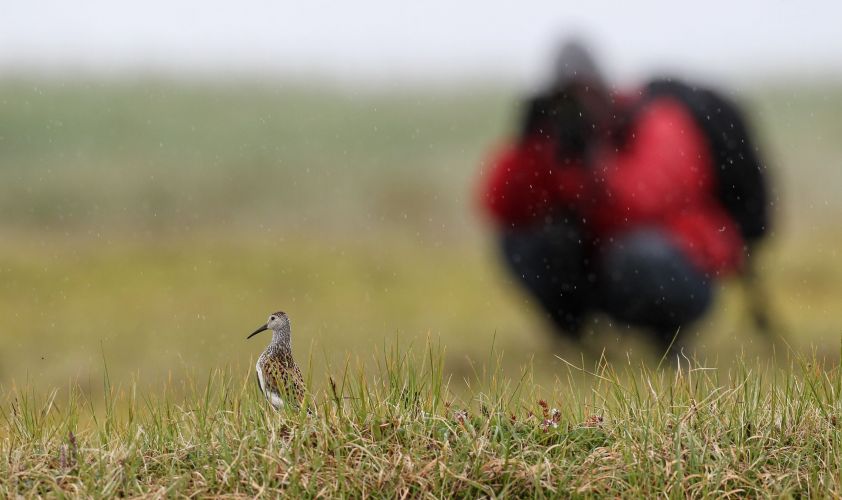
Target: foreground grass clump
[689,431]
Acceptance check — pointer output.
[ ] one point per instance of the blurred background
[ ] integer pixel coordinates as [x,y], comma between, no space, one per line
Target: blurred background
[169,174]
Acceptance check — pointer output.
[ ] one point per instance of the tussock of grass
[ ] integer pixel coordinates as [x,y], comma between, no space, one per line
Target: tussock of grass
[689,431]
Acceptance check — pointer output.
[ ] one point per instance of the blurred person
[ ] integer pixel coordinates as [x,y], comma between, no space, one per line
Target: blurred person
[631,204]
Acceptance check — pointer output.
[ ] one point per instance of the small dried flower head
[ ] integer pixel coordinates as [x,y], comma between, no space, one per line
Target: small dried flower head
[460,416]
[545,409]
[593,421]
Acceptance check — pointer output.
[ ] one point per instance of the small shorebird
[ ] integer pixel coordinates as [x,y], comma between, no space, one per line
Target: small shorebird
[277,374]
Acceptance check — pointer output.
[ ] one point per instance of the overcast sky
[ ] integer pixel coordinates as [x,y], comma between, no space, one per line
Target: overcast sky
[380,40]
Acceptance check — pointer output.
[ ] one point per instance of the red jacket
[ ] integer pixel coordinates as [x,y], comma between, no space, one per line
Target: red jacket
[662,177]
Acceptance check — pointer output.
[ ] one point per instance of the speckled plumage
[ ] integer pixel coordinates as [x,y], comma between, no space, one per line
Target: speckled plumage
[278,377]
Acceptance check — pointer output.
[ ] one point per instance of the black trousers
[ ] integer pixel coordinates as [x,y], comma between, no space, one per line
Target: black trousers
[640,278]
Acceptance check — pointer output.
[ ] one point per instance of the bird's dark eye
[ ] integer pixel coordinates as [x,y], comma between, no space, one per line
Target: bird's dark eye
[273,318]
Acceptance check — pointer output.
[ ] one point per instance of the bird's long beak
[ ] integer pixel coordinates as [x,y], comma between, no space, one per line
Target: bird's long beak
[264,327]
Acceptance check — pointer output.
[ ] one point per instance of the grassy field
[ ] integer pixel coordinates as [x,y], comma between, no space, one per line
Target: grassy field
[752,431]
[150,226]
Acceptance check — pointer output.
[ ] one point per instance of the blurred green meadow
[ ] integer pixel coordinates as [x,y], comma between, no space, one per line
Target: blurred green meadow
[149,226]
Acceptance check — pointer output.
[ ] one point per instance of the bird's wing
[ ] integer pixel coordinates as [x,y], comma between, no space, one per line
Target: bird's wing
[296,383]
[282,378]
[269,383]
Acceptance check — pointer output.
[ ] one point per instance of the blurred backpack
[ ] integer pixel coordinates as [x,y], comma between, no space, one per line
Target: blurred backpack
[742,184]
[742,180]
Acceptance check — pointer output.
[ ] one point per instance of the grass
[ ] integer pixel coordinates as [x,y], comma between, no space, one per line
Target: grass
[754,430]
[153,225]
[152,310]
[167,158]
[156,221]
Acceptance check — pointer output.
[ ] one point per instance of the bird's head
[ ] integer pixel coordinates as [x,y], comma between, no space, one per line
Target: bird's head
[277,321]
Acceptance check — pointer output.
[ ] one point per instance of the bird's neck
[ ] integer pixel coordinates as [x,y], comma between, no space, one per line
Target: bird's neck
[281,339]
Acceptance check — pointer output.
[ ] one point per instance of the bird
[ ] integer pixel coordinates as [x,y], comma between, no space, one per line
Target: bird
[278,377]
